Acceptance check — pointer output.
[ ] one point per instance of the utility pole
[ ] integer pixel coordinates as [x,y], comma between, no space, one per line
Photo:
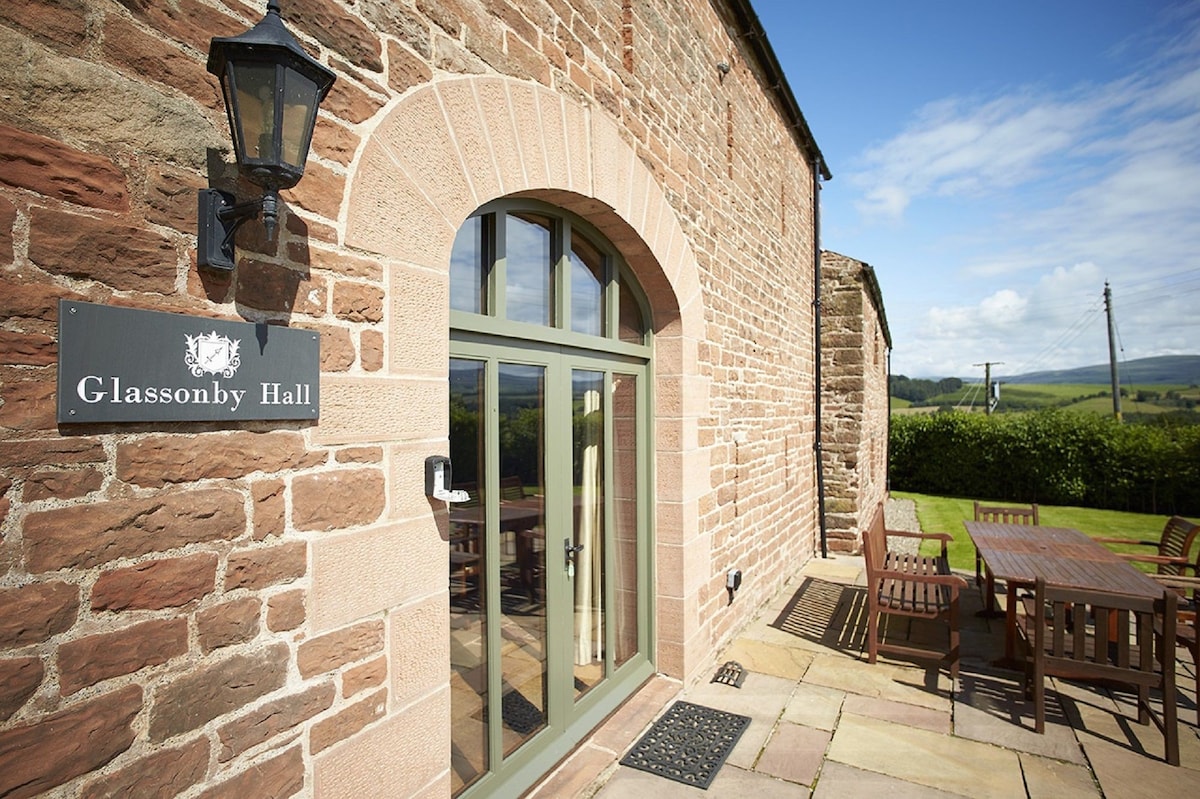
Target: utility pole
[989,400]
[1112,352]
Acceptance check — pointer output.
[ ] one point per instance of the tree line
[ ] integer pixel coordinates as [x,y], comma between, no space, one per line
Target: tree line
[920,390]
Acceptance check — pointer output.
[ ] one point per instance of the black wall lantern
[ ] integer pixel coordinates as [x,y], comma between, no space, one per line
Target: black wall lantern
[272,88]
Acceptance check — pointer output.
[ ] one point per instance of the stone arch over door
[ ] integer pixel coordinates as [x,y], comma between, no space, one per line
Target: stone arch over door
[447,148]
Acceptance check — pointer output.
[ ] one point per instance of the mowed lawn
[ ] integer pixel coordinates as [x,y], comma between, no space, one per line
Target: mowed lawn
[946,515]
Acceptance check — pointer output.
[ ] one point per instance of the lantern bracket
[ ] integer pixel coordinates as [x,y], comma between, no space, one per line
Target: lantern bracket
[219,216]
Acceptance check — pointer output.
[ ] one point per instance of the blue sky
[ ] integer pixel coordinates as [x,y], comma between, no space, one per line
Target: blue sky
[996,161]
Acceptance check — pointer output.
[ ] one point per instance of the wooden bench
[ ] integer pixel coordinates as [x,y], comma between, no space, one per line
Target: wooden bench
[914,586]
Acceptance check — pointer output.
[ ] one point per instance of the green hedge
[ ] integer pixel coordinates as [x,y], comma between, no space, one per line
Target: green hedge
[1051,456]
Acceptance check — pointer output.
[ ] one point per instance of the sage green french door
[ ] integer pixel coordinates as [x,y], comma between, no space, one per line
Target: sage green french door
[549,557]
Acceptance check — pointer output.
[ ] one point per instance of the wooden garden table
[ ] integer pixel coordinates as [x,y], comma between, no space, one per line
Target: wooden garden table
[1021,553]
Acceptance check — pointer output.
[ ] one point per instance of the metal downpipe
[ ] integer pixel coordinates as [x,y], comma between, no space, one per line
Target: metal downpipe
[817,355]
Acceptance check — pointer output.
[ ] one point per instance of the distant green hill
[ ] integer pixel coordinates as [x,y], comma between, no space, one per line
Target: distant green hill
[1176,369]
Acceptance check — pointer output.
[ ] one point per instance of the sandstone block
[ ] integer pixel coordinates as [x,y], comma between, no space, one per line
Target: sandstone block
[327,732]
[215,689]
[8,218]
[60,747]
[271,287]
[278,778]
[269,508]
[188,21]
[28,349]
[94,534]
[29,405]
[259,568]
[267,721]
[333,650]
[32,300]
[124,257]
[337,347]
[371,350]
[338,499]
[50,451]
[161,460]
[125,45]
[36,612]
[59,21]
[166,773]
[357,302]
[229,623]
[19,678]
[322,190]
[86,661]
[368,675]
[61,483]
[285,611]
[326,22]
[156,584]
[53,169]
[360,455]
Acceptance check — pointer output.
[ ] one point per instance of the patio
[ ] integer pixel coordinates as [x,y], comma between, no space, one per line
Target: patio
[825,723]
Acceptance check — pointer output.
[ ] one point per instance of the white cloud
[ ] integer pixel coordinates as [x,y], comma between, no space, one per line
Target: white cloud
[1029,202]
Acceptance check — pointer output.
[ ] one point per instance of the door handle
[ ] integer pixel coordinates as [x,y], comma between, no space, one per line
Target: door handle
[571,550]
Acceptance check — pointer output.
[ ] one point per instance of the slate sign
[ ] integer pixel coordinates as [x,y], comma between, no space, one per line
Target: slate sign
[128,365]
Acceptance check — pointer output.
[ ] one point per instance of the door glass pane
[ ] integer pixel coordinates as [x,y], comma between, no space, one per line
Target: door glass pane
[522,552]
[528,253]
[587,287]
[587,390]
[625,500]
[468,617]
[467,267]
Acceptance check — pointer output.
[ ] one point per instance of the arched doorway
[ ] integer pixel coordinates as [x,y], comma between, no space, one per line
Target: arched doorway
[549,566]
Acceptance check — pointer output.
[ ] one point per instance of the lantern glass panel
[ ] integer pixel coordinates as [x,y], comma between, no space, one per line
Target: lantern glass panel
[299,107]
[254,90]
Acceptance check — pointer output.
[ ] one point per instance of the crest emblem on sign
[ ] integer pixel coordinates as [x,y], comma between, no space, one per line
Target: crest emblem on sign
[211,354]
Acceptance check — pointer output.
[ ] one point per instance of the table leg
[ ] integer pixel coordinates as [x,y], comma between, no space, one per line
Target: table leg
[990,611]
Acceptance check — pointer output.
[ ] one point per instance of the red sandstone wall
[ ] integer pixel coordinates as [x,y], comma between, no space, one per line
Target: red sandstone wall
[155,579]
[854,377]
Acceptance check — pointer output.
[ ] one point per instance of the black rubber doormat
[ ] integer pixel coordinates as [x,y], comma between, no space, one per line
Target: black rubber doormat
[688,744]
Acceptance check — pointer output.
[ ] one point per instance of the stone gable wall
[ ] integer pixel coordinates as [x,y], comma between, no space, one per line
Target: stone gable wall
[181,605]
[854,399]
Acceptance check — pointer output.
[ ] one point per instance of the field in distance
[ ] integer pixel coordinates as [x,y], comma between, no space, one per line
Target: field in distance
[1085,397]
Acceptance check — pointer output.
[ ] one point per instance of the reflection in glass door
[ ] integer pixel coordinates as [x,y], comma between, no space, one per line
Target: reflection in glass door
[587,566]
[546,576]
[522,552]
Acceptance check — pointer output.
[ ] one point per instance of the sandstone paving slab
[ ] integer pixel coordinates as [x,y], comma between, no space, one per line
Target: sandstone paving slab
[1122,772]
[956,765]
[842,569]
[794,753]
[762,697]
[888,680]
[731,781]
[814,706]
[1046,778]
[1101,717]
[768,658]
[934,720]
[992,708]
[838,781]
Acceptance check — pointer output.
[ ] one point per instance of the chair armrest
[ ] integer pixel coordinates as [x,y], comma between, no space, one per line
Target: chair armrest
[944,538]
[1162,560]
[1175,581]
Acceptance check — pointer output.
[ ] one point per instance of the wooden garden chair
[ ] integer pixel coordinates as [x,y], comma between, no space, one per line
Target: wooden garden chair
[1066,632]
